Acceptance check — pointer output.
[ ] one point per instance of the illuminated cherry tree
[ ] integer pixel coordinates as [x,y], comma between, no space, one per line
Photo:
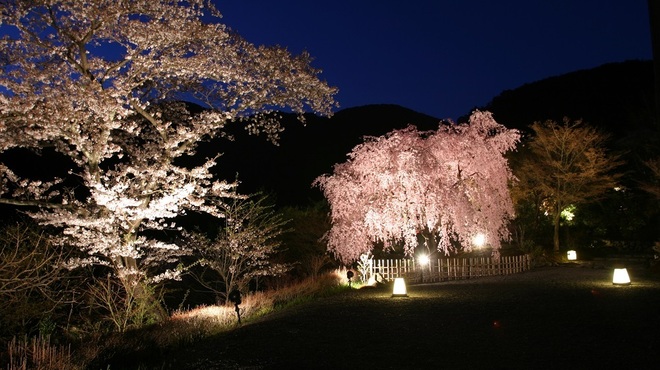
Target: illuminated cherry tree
[443,186]
[104,82]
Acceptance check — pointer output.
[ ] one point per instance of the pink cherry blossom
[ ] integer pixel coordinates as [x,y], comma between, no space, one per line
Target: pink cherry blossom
[450,184]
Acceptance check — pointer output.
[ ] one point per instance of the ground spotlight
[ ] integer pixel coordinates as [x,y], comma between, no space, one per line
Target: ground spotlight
[621,277]
[571,255]
[399,288]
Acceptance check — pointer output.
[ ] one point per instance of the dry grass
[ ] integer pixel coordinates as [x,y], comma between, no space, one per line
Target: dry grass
[38,354]
[181,329]
[186,327]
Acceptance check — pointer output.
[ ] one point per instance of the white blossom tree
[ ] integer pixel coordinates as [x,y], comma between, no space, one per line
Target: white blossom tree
[104,83]
[447,186]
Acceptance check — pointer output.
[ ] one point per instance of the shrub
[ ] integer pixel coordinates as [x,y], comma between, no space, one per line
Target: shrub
[32,282]
[125,306]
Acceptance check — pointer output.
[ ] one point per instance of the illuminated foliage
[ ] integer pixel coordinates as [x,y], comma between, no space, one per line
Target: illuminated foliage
[449,185]
[102,82]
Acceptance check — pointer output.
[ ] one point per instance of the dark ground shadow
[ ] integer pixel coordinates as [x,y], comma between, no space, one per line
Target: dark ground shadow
[548,318]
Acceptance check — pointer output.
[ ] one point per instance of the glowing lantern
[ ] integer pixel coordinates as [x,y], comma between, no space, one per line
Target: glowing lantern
[621,277]
[399,288]
[423,261]
[479,240]
[572,256]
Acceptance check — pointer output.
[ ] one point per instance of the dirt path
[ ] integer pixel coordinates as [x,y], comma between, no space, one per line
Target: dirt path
[549,318]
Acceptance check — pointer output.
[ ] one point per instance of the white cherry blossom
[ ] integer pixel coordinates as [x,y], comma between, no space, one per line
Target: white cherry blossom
[103,82]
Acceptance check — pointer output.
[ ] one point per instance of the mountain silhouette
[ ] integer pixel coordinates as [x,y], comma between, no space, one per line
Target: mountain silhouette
[617,97]
[307,151]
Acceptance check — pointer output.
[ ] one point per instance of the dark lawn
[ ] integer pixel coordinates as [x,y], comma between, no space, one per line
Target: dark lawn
[549,318]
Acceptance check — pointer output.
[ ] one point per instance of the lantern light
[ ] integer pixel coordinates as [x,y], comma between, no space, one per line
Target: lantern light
[399,288]
[621,277]
[571,255]
[479,240]
[423,262]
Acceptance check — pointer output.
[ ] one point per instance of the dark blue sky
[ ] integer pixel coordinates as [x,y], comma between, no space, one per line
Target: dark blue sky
[444,57]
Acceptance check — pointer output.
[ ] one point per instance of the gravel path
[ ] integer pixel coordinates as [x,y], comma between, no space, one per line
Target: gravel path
[548,318]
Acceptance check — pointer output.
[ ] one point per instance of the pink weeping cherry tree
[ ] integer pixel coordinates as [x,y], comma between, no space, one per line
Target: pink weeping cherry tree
[441,187]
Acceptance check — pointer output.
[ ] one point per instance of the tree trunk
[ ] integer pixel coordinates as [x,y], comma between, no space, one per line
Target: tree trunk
[556,235]
[145,306]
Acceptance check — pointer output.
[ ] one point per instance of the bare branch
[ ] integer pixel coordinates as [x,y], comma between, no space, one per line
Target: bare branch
[28,263]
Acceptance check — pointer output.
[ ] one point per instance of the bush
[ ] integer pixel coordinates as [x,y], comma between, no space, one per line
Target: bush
[124,306]
[32,283]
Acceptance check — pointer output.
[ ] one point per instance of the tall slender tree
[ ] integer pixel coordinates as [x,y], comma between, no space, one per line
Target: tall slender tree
[568,165]
[243,248]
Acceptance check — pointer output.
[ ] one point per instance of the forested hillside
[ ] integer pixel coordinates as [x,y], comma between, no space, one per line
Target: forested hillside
[615,97]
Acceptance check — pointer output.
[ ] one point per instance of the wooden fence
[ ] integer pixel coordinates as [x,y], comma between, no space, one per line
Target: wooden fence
[449,268]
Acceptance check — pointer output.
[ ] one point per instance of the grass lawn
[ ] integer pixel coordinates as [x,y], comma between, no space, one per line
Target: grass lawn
[564,317]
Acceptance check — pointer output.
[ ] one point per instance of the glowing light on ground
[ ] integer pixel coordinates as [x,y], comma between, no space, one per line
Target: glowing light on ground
[621,277]
[571,255]
[399,288]
[423,260]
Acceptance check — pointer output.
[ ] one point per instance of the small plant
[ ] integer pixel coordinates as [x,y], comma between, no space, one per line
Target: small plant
[539,255]
[125,305]
[317,263]
[32,282]
[365,267]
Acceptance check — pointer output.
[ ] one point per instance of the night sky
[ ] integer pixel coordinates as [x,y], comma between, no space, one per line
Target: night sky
[444,57]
